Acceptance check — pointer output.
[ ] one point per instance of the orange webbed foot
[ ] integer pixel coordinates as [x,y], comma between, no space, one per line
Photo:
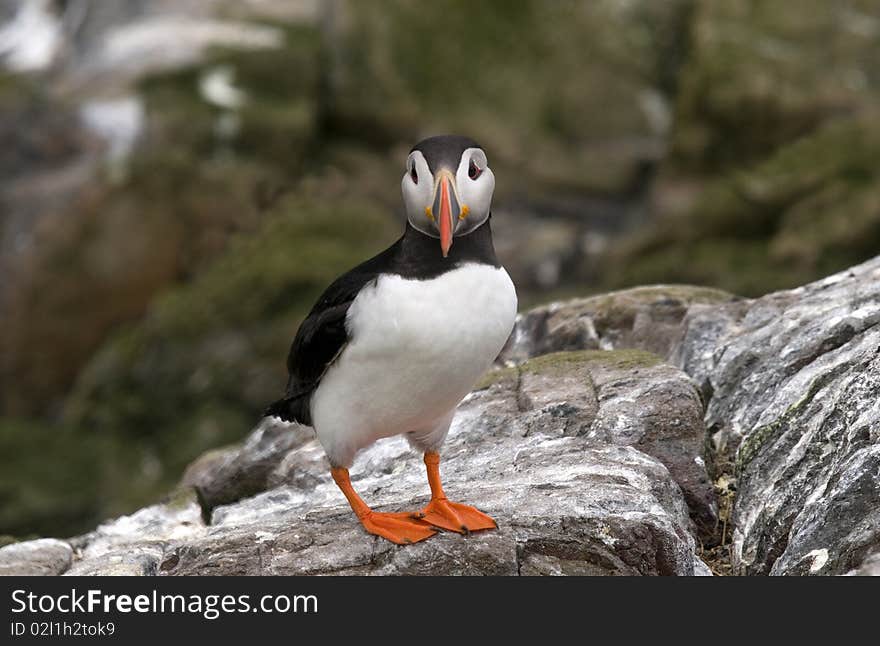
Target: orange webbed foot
[455,517]
[400,528]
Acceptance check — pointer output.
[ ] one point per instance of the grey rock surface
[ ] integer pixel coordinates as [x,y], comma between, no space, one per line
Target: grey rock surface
[623,398]
[582,457]
[791,383]
[628,519]
[41,557]
[226,475]
[648,318]
[795,379]
[869,567]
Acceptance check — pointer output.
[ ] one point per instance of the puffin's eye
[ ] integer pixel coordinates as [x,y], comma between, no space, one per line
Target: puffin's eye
[414,175]
[474,171]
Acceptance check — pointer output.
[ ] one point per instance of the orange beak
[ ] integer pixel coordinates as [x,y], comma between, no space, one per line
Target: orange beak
[445,217]
[447,209]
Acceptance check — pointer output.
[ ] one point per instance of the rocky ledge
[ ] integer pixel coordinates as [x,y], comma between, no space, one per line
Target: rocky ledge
[639,432]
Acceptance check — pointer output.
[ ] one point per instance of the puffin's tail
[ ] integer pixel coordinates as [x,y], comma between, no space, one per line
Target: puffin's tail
[291,409]
[282,409]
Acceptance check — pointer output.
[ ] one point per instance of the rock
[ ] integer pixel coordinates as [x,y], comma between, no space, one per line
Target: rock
[537,251]
[790,383]
[222,477]
[794,378]
[41,557]
[870,567]
[646,318]
[135,545]
[625,398]
[582,457]
[701,569]
[130,561]
[115,185]
[561,508]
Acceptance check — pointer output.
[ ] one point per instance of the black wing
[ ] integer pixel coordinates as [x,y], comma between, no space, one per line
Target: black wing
[321,338]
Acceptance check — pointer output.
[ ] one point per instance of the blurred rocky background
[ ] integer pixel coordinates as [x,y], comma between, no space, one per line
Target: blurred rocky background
[179,179]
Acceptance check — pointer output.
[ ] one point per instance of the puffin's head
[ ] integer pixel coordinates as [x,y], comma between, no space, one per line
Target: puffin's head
[447,187]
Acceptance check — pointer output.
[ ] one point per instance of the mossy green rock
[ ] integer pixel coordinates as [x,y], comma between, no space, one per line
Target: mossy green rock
[639,320]
[564,363]
[560,362]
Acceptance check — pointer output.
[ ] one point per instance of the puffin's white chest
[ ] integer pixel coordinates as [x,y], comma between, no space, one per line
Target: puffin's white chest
[417,347]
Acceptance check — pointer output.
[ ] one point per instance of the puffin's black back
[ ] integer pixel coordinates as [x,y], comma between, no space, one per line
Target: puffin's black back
[323,335]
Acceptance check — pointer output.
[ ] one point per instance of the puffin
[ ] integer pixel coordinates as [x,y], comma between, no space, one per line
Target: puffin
[394,345]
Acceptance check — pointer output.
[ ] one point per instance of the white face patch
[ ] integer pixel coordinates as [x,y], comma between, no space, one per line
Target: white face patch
[417,186]
[474,186]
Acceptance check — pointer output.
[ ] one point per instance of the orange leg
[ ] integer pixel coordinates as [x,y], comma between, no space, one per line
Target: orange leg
[397,528]
[444,514]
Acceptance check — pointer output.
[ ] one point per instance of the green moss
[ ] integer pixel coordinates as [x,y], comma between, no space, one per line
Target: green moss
[684,293]
[561,362]
[497,376]
[617,310]
[742,267]
[775,150]
[17,89]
